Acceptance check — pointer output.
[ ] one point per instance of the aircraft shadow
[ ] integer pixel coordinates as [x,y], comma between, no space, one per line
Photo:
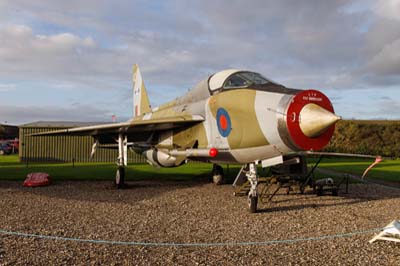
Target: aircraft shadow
[307,206]
[357,193]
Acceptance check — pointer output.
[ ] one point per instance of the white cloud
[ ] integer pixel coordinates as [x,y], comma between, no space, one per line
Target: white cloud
[382,44]
[382,109]
[76,112]
[7,87]
[388,9]
[334,44]
[178,44]
[387,61]
[22,50]
[57,57]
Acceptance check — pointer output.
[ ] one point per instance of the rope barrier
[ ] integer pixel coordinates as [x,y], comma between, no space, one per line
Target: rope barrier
[165,244]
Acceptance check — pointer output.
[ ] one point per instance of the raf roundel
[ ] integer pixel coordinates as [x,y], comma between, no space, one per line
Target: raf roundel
[223,122]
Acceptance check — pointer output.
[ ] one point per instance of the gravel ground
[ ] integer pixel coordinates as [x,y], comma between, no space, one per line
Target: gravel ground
[191,212]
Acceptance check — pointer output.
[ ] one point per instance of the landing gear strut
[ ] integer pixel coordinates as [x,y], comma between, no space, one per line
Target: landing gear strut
[252,177]
[217,174]
[122,161]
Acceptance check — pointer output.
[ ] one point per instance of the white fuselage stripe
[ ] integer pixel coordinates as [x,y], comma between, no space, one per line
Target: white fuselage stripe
[266,105]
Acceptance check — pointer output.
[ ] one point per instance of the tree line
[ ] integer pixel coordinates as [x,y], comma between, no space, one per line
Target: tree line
[367,137]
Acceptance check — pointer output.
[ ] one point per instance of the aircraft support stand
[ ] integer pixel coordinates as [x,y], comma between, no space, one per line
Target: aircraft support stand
[122,161]
[252,177]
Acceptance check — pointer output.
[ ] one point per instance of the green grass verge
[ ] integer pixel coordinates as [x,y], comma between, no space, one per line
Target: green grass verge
[12,169]
[388,170]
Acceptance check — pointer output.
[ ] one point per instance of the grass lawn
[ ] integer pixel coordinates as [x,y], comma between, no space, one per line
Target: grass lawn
[388,170]
[12,169]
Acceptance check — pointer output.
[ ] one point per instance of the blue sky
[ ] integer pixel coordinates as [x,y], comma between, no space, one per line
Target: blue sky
[72,60]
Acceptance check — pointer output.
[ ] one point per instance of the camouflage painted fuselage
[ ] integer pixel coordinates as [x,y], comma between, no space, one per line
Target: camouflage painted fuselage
[244,124]
[233,116]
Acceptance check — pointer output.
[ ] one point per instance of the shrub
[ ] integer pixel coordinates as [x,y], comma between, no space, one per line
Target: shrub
[366,137]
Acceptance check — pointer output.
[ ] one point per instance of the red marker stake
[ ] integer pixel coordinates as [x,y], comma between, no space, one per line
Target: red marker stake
[377,160]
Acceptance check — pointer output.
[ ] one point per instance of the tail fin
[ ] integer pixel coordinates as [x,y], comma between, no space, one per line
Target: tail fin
[141,104]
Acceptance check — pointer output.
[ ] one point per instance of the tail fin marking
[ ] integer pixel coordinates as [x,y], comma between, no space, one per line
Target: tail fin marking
[141,103]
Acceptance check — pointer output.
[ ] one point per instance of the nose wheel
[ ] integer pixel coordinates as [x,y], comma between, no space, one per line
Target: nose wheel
[252,203]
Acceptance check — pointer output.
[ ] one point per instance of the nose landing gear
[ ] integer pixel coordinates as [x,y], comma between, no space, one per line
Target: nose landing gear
[252,177]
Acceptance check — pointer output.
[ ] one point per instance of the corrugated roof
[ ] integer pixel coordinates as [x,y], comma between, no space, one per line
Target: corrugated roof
[60,124]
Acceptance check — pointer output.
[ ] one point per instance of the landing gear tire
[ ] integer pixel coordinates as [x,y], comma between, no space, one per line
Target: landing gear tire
[252,202]
[335,192]
[218,179]
[218,175]
[120,178]
[320,191]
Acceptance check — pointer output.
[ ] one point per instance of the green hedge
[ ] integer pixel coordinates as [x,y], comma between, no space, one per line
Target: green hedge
[2,132]
[367,137]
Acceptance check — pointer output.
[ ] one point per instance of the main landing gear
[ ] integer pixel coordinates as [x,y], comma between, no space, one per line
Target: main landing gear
[122,161]
[218,174]
[120,177]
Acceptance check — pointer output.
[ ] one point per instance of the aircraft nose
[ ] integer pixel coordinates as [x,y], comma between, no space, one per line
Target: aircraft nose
[315,120]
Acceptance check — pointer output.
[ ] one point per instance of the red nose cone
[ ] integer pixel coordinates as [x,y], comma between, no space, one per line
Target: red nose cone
[213,152]
[299,101]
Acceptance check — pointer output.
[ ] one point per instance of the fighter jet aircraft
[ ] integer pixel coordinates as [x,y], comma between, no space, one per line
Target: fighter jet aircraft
[233,116]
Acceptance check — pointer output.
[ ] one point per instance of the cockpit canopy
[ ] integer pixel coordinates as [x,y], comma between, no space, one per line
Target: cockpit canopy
[226,80]
[233,78]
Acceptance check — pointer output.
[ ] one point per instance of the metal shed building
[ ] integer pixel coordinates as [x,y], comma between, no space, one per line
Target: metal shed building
[8,131]
[63,148]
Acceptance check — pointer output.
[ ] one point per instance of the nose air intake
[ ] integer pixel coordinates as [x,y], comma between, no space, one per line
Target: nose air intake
[309,122]
[315,120]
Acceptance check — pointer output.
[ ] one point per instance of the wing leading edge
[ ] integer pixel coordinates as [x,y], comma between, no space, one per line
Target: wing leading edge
[131,126]
[338,154]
